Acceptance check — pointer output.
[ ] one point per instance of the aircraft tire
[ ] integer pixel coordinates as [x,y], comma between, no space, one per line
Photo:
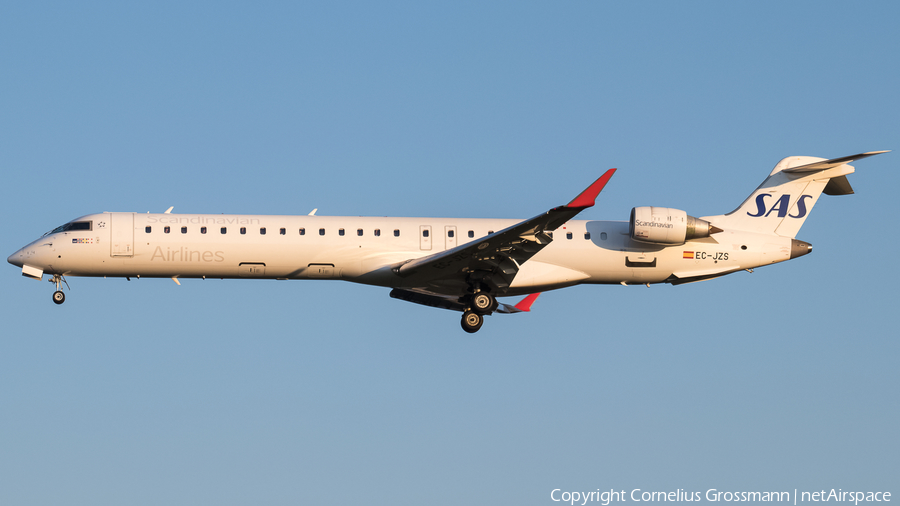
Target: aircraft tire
[59,297]
[483,302]
[471,321]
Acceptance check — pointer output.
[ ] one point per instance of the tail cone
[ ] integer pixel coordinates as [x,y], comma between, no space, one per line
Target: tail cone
[800,248]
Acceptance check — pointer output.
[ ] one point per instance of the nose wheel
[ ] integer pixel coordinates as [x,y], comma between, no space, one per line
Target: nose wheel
[58,296]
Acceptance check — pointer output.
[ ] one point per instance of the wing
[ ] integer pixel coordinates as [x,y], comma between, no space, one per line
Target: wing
[495,258]
[450,302]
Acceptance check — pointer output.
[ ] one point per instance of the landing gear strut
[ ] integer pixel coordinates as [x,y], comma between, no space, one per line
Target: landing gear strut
[58,296]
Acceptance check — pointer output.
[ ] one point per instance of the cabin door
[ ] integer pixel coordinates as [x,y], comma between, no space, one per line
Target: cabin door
[449,237]
[121,234]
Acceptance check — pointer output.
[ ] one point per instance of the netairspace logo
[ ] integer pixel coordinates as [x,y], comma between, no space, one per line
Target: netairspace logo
[605,497]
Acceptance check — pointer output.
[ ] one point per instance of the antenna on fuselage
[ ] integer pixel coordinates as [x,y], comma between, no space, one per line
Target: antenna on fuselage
[169,210]
[313,212]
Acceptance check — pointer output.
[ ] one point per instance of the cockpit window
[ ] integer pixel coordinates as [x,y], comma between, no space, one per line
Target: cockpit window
[68,227]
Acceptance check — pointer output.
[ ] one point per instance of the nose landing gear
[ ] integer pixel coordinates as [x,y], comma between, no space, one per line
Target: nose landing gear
[58,296]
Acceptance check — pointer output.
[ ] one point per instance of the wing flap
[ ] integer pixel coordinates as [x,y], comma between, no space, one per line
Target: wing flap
[428,299]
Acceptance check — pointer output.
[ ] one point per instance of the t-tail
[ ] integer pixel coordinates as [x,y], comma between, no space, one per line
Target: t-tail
[782,202]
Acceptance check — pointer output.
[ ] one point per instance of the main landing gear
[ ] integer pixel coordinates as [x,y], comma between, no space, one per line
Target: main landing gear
[482,302]
[472,321]
[479,304]
[58,296]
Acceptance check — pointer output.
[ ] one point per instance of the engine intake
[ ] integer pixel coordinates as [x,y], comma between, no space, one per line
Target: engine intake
[662,225]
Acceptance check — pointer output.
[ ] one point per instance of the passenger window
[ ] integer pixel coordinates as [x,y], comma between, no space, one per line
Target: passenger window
[340,231]
[568,235]
[321,231]
[302,231]
[202,230]
[425,233]
[377,232]
[224,230]
[396,233]
[167,229]
[183,230]
[243,230]
[359,232]
[450,233]
[282,231]
[471,234]
[262,231]
[602,236]
[147,229]
[587,235]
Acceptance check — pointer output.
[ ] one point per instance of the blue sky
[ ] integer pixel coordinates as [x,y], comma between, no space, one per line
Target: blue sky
[237,392]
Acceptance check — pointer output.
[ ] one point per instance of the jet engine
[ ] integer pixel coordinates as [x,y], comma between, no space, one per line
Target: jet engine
[662,225]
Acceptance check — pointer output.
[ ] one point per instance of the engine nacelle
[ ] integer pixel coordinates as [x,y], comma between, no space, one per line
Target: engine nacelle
[662,225]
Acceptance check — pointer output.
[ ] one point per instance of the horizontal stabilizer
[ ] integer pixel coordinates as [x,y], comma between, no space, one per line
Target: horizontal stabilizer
[830,164]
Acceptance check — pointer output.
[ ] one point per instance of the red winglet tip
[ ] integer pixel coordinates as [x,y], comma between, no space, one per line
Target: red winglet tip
[589,196]
[525,304]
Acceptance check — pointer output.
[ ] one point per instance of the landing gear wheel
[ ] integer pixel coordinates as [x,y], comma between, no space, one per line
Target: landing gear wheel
[59,297]
[482,302]
[471,321]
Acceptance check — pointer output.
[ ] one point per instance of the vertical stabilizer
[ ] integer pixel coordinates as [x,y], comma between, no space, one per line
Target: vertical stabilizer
[784,200]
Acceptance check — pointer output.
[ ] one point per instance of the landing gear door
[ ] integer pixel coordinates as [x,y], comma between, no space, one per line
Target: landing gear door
[121,235]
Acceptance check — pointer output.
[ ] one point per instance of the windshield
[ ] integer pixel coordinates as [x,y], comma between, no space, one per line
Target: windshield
[75,225]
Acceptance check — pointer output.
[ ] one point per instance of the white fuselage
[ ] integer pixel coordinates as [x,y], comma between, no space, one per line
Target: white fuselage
[365,249]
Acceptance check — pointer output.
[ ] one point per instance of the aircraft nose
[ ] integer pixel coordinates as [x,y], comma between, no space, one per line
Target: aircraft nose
[16,258]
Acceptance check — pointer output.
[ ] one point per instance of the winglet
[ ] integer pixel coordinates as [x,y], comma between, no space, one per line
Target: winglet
[589,196]
[525,304]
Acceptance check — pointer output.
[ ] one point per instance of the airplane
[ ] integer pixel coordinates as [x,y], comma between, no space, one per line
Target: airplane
[458,264]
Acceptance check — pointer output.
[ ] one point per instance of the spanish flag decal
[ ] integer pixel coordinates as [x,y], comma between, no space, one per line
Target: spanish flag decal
[689,254]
